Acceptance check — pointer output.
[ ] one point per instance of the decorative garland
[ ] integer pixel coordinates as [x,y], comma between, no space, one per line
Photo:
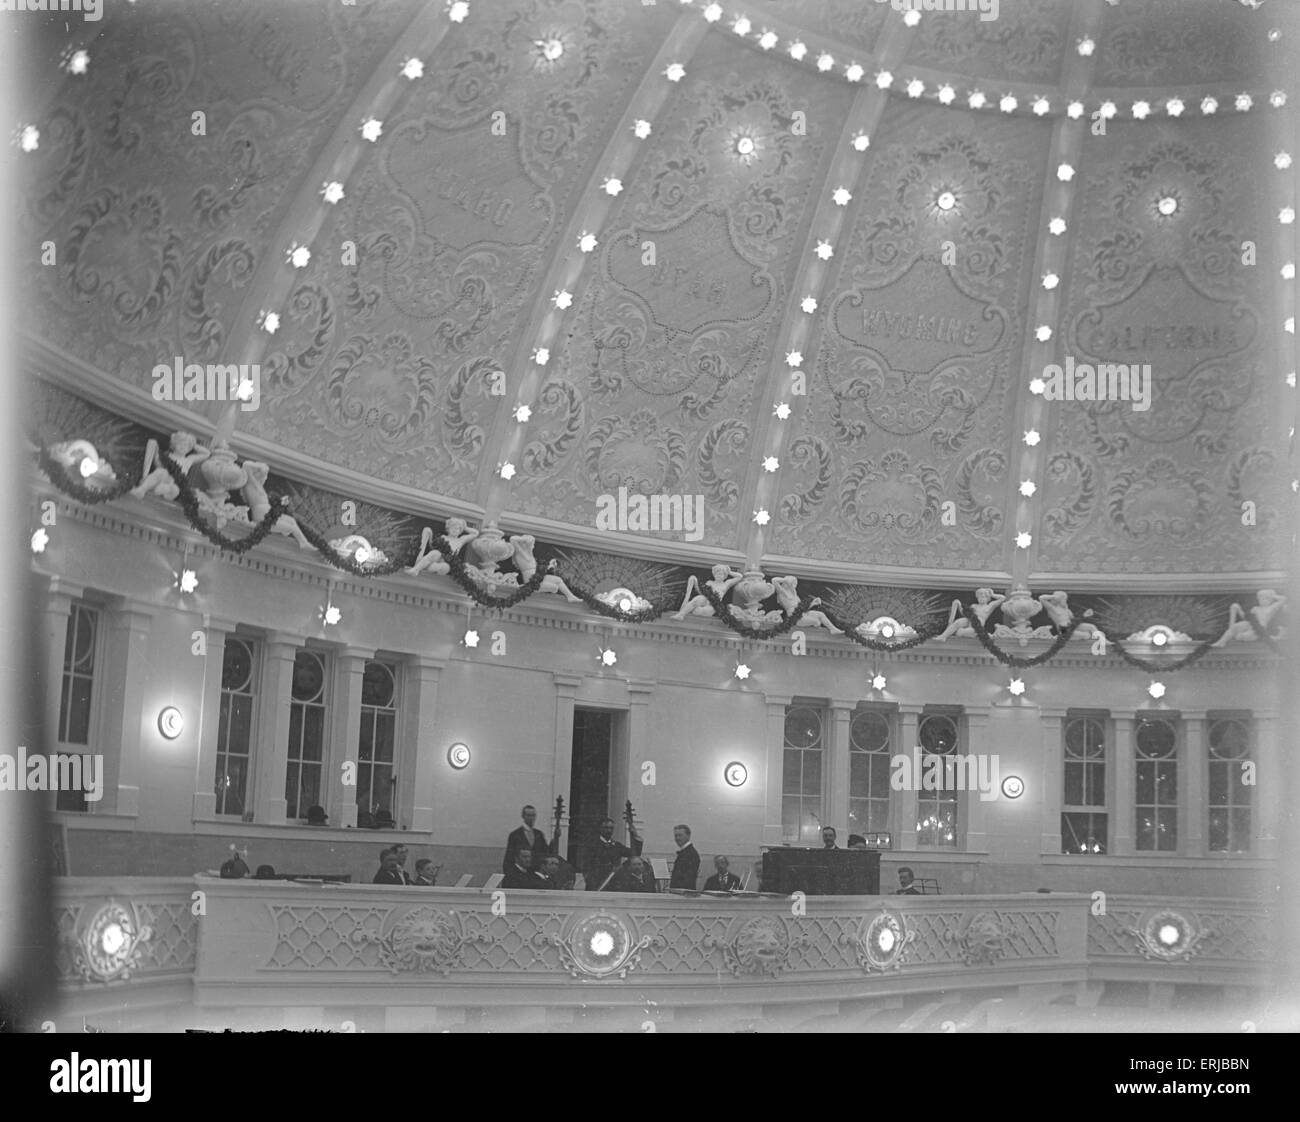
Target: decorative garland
[189,501]
[789,621]
[461,574]
[1015,660]
[91,496]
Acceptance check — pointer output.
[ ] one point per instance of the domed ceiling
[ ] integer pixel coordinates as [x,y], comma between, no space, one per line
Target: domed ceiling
[804,259]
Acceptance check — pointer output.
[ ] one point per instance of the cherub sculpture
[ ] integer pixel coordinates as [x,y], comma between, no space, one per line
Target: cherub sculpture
[259,505]
[526,564]
[1268,605]
[694,602]
[787,595]
[986,603]
[459,534]
[427,558]
[184,451]
[1057,607]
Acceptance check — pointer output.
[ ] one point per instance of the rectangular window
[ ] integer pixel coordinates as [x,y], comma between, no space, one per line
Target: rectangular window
[1231,782]
[308,709]
[376,766]
[1084,819]
[80,651]
[936,811]
[801,778]
[239,678]
[1156,789]
[871,739]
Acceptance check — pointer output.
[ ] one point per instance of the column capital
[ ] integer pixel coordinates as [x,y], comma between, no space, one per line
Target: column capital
[218,623]
[1053,714]
[566,682]
[349,651]
[281,643]
[781,699]
[59,586]
[425,665]
[840,703]
[132,612]
[1193,714]
[639,692]
[911,710]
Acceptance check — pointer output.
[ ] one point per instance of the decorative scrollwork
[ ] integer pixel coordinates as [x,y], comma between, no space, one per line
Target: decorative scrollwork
[600,945]
[761,945]
[882,942]
[423,941]
[1169,935]
[983,940]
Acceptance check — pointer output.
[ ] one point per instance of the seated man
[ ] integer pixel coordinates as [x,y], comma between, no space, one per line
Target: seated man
[522,874]
[722,880]
[390,869]
[907,885]
[634,876]
[559,873]
[426,872]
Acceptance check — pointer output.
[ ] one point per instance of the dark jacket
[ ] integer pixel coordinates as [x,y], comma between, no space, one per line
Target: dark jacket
[541,848]
[624,881]
[686,869]
[393,876]
[525,878]
[724,882]
[603,859]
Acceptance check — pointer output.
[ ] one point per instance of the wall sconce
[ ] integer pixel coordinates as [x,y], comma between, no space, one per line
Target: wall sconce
[458,756]
[170,722]
[735,773]
[1013,786]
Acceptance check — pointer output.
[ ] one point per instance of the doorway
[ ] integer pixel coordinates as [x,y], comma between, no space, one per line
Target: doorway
[598,775]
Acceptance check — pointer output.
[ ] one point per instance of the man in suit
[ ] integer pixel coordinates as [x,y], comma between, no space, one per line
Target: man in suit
[722,880]
[521,873]
[907,885]
[426,873]
[635,876]
[559,872]
[523,836]
[605,854]
[686,867]
[828,837]
[390,871]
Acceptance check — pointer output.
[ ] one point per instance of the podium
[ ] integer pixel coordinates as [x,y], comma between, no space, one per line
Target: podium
[822,872]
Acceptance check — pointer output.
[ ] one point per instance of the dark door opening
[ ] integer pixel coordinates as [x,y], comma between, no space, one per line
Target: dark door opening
[593,742]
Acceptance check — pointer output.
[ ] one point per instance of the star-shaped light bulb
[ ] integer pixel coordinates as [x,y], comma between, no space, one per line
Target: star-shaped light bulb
[767,40]
[269,322]
[641,129]
[1107,109]
[675,72]
[1050,281]
[1028,487]
[878,682]
[1056,227]
[88,466]
[794,358]
[1174,107]
[188,581]
[1277,99]
[607,656]
[825,250]
[298,256]
[798,50]
[562,299]
[507,471]
[1209,105]
[1037,385]
[1065,173]
[371,129]
[1008,103]
[612,186]
[412,68]
[742,671]
[911,17]
[771,463]
[712,13]
[78,62]
[1023,540]
[1282,161]
[40,539]
[1159,639]
[1031,437]
[862,142]
[976,99]
[1085,47]
[1016,687]
[809,304]
[915,87]
[1288,271]
[523,413]
[29,138]
[587,242]
[541,356]
[782,411]
[946,94]
[825,62]
[332,615]
[1286,215]
[761,518]
[457,11]
[854,73]
[471,638]
[1042,332]
[741,26]
[1074,110]
[1156,689]
[841,196]
[1042,107]
[1141,110]
[332,192]
[1244,102]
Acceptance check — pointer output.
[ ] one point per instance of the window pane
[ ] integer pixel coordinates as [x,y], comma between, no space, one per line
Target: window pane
[1094,785]
[790,817]
[791,772]
[1218,830]
[366,743]
[1146,784]
[1073,784]
[812,773]
[1218,784]
[313,739]
[859,776]
[1239,820]
[803,727]
[385,729]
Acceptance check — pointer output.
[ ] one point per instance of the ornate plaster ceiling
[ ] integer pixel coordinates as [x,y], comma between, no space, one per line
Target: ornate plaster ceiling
[765,219]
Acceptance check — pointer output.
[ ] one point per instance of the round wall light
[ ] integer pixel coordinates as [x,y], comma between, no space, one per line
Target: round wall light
[1013,786]
[735,773]
[170,722]
[458,756]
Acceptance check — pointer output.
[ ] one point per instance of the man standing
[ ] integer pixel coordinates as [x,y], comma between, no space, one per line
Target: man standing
[390,872]
[525,836]
[635,876]
[722,880]
[828,837]
[605,854]
[686,868]
[521,873]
